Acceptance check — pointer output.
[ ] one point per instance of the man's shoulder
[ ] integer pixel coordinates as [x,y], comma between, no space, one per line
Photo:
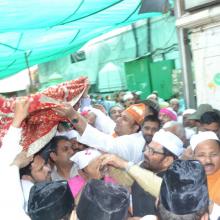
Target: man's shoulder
[137,135]
[27,184]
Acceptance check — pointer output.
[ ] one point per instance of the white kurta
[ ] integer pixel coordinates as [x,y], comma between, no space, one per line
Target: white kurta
[55,176]
[215,212]
[11,199]
[129,147]
[103,122]
[10,146]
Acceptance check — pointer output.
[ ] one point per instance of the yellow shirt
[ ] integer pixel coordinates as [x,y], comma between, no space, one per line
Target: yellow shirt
[214,187]
[152,185]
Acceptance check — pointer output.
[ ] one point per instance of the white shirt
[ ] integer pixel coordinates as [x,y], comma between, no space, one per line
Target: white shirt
[26,188]
[189,132]
[10,146]
[103,122]
[11,199]
[55,175]
[215,212]
[129,147]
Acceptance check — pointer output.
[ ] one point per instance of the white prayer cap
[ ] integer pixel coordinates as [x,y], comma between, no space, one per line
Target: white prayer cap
[127,96]
[138,93]
[83,158]
[202,136]
[189,111]
[152,96]
[170,141]
[70,134]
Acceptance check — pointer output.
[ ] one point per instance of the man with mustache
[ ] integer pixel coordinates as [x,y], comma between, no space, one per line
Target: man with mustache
[206,148]
[159,154]
[149,127]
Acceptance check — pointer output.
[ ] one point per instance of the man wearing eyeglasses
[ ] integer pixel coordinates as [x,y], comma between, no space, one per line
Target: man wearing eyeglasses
[164,148]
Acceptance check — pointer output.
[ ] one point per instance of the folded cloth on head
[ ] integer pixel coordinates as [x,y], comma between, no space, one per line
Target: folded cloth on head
[41,124]
[83,158]
[137,112]
[170,113]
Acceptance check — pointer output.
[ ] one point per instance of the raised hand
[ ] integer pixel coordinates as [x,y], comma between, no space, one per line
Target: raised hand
[21,111]
[21,160]
[94,169]
[113,160]
[66,111]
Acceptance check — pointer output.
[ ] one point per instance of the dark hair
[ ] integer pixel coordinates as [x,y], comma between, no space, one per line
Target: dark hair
[164,214]
[210,117]
[25,170]
[152,118]
[52,145]
[153,106]
[153,111]
[44,153]
[169,153]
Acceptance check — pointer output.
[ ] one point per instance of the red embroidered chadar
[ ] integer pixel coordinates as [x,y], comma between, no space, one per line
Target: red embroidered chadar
[41,124]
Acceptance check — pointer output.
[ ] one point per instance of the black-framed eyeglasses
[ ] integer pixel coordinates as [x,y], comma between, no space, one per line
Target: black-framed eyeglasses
[152,151]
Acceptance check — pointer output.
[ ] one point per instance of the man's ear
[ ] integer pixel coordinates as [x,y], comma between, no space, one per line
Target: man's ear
[53,156]
[136,127]
[168,160]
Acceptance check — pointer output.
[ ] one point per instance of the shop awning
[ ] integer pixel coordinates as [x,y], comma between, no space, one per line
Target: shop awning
[38,31]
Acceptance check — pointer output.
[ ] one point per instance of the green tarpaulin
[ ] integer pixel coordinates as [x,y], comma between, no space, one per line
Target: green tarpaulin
[37,31]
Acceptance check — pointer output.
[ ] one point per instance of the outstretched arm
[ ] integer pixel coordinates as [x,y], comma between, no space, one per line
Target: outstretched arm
[67,111]
[149,181]
[128,147]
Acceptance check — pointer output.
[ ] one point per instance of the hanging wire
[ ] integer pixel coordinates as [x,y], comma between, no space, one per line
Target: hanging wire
[92,13]
[26,55]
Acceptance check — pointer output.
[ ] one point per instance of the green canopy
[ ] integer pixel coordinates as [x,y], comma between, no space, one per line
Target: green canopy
[37,31]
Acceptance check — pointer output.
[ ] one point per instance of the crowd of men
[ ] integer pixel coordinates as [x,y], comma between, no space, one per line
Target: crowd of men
[133,160]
